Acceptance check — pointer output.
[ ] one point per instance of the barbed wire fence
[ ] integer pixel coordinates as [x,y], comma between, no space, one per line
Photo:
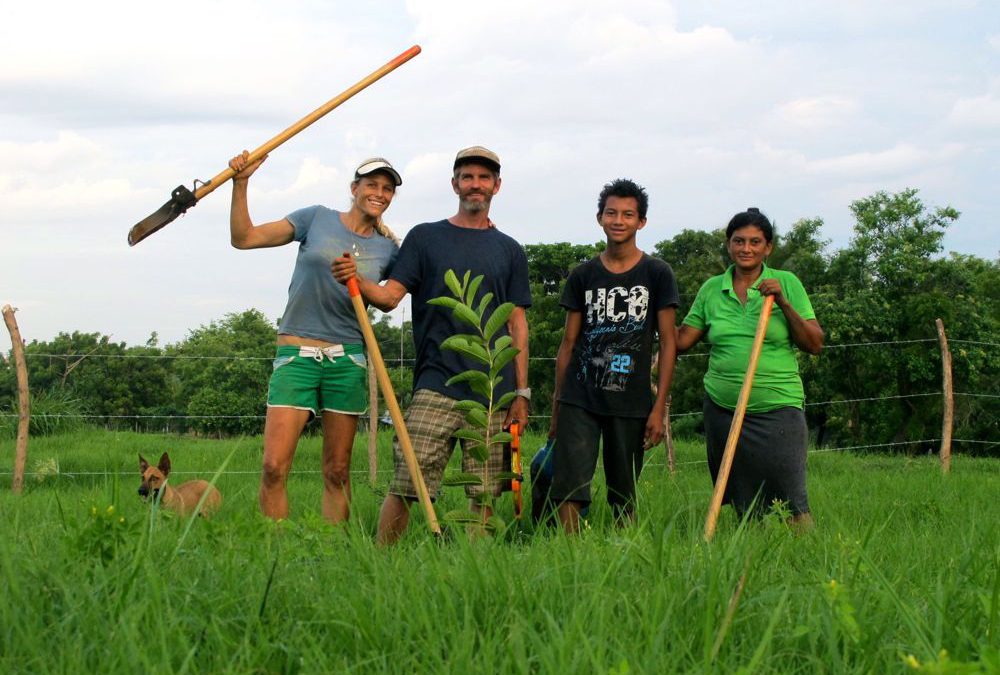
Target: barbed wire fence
[173,423]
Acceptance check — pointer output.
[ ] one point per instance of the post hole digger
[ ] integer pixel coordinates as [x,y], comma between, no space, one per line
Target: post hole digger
[182,198]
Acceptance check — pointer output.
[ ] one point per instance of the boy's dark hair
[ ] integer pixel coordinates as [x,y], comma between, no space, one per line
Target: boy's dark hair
[624,187]
[752,216]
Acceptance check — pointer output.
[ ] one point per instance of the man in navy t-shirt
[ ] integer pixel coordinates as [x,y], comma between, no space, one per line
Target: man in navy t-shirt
[468,241]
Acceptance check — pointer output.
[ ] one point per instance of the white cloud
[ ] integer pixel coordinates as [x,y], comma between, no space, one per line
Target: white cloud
[977,112]
[820,112]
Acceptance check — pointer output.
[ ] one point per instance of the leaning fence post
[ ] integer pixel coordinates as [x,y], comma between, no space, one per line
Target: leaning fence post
[372,426]
[668,438]
[948,417]
[23,400]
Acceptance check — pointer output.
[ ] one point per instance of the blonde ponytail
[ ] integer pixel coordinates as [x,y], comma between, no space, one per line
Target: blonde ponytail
[384,230]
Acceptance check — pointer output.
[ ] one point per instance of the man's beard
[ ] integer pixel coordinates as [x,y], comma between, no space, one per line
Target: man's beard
[477,206]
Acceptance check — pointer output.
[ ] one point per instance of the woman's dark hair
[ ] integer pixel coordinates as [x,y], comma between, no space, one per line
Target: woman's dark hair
[751,216]
[622,188]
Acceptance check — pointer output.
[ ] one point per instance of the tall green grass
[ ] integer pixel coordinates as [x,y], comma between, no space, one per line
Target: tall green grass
[902,574]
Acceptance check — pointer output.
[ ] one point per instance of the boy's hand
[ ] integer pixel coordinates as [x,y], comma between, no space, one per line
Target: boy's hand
[654,431]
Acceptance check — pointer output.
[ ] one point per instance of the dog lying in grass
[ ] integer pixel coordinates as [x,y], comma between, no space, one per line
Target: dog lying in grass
[185,497]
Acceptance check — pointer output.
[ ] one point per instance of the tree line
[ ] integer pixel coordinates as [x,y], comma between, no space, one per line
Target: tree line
[887,286]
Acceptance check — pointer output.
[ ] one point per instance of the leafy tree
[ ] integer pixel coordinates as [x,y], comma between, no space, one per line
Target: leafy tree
[97,376]
[888,286]
[548,267]
[224,373]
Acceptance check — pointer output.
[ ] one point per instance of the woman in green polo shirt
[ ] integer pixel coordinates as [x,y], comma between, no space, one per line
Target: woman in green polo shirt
[770,461]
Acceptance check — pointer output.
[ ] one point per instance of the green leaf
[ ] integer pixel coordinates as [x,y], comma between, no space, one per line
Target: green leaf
[469,435]
[470,294]
[461,478]
[483,303]
[451,281]
[498,319]
[477,380]
[506,399]
[501,437]
[502,359]
[466,314]
[507,475]
[444,301]
[465,281]
[476,418]
[502,343]
[478,452]
[466,347]
[468,405]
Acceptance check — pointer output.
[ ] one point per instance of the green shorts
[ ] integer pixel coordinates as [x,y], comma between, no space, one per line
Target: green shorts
[314,379]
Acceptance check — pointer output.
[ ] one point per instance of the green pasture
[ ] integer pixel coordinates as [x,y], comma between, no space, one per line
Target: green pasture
[902,574]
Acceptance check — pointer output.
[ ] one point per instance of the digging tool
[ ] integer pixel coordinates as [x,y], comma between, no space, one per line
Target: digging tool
[375,356]
[515,467]
[737,424]
[181,199]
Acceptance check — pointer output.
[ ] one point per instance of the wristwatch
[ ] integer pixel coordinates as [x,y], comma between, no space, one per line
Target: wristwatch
[523,393]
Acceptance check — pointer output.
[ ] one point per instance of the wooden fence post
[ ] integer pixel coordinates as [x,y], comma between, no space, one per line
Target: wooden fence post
[668,439]
[372,425]
[23,400]
[948,416]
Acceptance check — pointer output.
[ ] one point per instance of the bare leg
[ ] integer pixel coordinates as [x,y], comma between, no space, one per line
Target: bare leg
[338,442]
[282,429]
[569,516]
[393,519]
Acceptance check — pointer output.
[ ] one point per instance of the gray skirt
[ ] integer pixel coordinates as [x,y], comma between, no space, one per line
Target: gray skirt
[770,461]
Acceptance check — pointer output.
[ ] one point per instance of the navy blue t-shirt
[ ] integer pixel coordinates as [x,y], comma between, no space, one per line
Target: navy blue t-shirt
[428,251]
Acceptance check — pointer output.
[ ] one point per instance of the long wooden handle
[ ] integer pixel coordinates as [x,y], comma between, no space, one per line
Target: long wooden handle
[223,176]
[737,424]
[375,356]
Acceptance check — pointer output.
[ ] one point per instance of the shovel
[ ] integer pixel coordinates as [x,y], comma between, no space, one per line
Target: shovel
[375,356]
[181,199]
[737,424]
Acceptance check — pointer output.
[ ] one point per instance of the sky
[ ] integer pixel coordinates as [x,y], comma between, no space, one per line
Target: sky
[715,105]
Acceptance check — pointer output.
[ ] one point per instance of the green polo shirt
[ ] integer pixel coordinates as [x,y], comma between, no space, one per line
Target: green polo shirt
[729,327]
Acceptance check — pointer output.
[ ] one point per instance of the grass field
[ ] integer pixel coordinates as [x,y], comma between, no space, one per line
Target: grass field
[902,574]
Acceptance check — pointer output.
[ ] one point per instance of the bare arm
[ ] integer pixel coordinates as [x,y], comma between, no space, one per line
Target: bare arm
[806,333]
[688,337]
[243,234]
[665,374]
[383,296]
[517,326]
[571,333]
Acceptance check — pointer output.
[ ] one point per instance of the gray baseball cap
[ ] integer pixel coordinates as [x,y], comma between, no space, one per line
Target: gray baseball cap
[478,153]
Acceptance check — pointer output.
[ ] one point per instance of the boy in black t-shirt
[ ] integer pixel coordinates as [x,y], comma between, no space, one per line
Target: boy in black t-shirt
[615,303]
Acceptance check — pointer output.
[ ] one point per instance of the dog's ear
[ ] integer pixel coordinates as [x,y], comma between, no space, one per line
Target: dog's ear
[164,465]
[143,464]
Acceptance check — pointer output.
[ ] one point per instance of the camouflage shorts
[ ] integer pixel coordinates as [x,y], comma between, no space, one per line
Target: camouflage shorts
[431,420]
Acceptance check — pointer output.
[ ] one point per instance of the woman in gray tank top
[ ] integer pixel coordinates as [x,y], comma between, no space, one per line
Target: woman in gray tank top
[319,367]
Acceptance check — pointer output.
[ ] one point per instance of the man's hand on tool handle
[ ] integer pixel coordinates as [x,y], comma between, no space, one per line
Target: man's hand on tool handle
[344,268]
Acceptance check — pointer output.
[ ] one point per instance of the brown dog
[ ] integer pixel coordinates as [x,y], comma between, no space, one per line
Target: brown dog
[184,499]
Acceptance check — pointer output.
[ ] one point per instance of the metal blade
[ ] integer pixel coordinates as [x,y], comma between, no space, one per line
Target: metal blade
[181,199]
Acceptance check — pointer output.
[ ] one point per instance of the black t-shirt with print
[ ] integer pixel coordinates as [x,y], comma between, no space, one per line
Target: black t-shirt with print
[609,373]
